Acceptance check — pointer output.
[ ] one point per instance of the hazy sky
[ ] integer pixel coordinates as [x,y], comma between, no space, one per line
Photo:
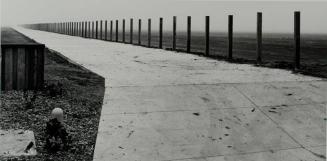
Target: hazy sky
[277,15]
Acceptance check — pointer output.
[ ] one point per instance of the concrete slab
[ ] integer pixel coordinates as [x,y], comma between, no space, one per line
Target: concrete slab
[173,98]
[265,94]
[14,143]
[305,123]
[174,135]
[309,92]
[192,159]
[297,154]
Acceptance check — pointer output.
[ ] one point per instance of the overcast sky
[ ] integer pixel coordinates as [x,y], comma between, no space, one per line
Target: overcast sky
[277,15]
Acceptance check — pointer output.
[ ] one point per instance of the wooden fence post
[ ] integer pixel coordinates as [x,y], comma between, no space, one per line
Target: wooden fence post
[160,32]
[123,30]
[207,36]
[82,29]
[79,29]
[106,30]
[96,29]
[116,30]
[75,28]
[230,37]
[259,37]
[174,32]
[100,29]
[149,32]
[110,30]
[85,31]
[140,28]
[297,38]
[188,45]
[92,29]
[89,29]
[72,28]
[131,31]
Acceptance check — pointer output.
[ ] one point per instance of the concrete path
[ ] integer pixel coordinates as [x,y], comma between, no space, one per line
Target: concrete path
[162,105]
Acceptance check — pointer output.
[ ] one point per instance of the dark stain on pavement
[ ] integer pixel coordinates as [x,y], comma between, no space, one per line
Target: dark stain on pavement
[196,113]
[205,99]
[130,133]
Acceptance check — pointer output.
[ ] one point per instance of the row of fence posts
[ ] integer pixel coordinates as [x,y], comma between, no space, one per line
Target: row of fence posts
[87,29]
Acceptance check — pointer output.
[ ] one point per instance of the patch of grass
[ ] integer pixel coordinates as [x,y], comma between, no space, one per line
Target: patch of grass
[77,91]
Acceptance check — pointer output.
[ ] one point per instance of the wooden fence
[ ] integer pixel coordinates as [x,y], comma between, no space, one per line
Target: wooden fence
[22,66]
[72,28]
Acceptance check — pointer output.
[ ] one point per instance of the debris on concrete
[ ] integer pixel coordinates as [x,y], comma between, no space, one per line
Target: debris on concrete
[272,111]
[196,113]
[130,133]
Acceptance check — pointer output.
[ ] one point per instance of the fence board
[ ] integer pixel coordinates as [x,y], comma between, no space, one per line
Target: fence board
[8,56]
[21,69]
[14,68]
[40,67]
